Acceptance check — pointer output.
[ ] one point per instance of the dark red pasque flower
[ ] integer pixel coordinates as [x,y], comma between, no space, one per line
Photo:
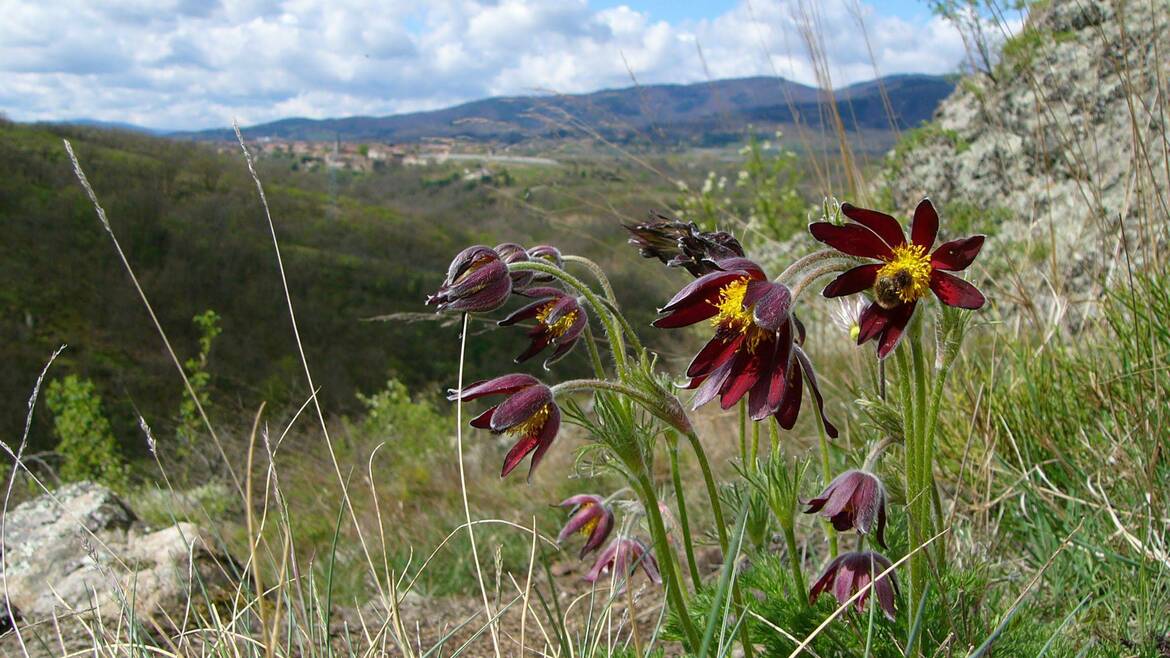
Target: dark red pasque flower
[529,413]
[682,244]
[622,556]
[477,282]
[754,351]
[560,319]
[849,573]
[905,271]
[589,516]
[854,500]
[510,252]
[550,255]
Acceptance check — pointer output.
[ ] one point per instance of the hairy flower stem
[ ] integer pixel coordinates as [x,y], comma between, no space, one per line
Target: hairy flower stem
[743,452]
[666,559]
[827,476]
[612,332]
[808,261]
[811,276]
[683,518]
[721,527]
[794,561]
[667,409]
[919,454]
[594,355]
[597,273]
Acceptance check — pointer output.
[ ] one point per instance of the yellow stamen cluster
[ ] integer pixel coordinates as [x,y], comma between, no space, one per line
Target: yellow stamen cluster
[561,325]
[906,278]
[533,423]
[591,524]
[733,316]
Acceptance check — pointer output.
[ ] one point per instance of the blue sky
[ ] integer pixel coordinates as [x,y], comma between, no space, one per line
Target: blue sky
[191,64]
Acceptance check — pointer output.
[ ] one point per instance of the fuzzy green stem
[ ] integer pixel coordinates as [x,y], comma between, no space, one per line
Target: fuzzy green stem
[755,451]
[594,355]
[597,273]
[794,561]
[743,452]
[666,560]
[810,260]
[616,344]
[683,517]
[668,410]
[635,342]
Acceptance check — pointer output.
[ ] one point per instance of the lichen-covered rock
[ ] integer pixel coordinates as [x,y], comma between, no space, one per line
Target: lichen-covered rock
[82,548]
[1044,151]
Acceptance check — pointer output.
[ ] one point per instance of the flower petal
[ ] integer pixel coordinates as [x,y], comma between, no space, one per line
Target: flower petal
[523,313]
[517,453]
[710,386]
[599,534]
[745,265]
[924,228]
[544,438]
[520,407]
[484,420]
[790,405]
[715,353]
[696,301]
[953,291]
[956,255]
[540,340]
[772,308]
[745,371]
[506,384]
[853,281]
[871,323]
[899,317]
[887,228]
[852,239]
[806,366]
[826,579]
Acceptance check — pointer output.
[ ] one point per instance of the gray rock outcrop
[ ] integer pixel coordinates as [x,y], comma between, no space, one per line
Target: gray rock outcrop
[81,548]
[1063,146]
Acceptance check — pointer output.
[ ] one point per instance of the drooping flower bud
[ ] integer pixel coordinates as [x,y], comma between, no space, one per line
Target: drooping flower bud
[548,254]
[560,320]
[529,412]
[849,573]
[590,516]
[477,282]
[854,500]
[510,252]
[621,557]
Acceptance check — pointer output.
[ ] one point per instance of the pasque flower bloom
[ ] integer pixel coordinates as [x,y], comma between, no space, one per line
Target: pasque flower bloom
[622,556]
[905,271]
[510,252]
[682,244]
[756,347]
[528,412]
[477,282]
[849,573]
[589,516]
[560,319]
[854,500]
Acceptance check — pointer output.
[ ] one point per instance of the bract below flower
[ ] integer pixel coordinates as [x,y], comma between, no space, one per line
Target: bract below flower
[528,413]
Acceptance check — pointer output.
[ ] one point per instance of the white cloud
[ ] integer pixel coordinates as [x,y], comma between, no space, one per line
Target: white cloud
[189,64]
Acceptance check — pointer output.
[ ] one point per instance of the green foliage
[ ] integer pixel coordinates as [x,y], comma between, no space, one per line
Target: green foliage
[413,424]
[86,443]
[190,422]
[765,192]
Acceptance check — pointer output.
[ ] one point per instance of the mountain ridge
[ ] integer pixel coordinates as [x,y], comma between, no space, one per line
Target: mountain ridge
[704,113]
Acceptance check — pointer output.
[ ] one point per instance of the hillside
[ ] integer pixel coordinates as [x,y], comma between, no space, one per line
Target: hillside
[708,113]
[354,247]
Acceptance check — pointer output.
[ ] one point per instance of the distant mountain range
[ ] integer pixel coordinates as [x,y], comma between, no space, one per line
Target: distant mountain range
[703,114]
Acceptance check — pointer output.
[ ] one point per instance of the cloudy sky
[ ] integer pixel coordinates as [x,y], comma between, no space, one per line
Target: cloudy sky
[189,64]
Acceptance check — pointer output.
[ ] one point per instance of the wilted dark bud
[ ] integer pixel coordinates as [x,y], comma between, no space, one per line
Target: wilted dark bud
[682,244]
[477,282]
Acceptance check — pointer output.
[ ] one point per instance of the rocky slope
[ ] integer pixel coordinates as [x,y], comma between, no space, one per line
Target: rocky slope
[1060,152]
